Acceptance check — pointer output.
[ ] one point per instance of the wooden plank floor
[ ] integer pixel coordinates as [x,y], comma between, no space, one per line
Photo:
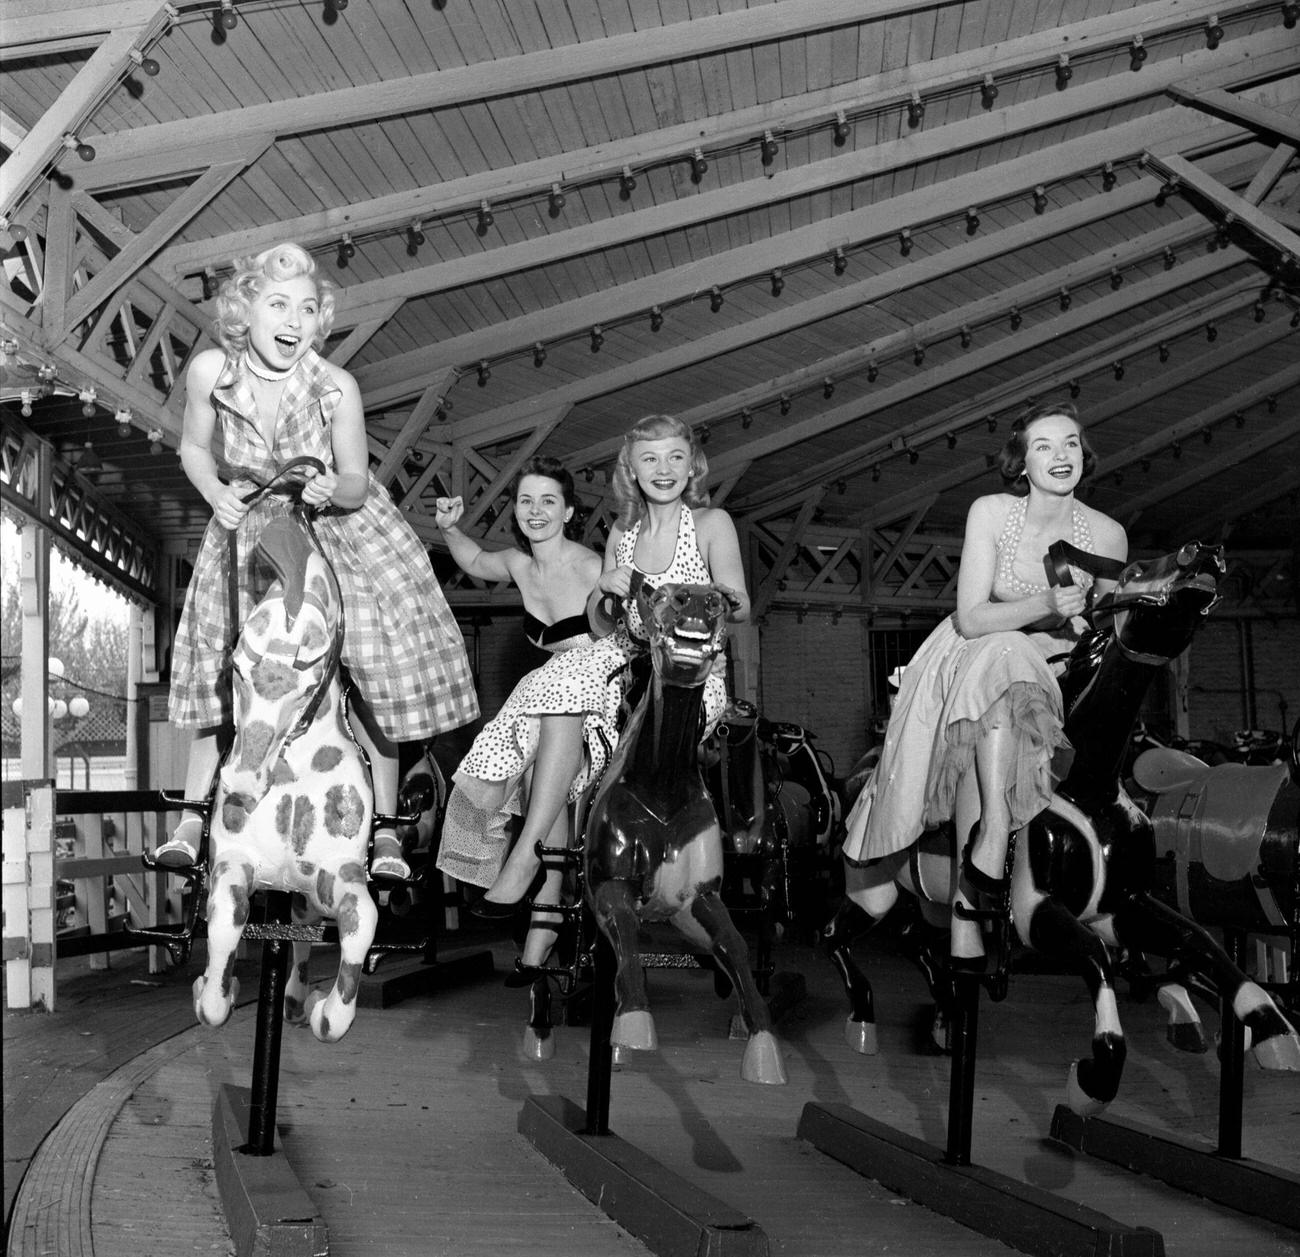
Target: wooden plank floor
[404,1133]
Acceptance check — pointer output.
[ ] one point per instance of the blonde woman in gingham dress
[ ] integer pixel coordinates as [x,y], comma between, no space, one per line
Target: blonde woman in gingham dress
[263,399]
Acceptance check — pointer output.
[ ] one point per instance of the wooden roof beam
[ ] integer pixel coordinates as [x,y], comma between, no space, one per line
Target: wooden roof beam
[946,325]
[895,507]
[878,221]
[504,422]
[802,181]
[1179,168]
[1269,123]
[1286,429]
[781,495]
[1255,60]
[599,58]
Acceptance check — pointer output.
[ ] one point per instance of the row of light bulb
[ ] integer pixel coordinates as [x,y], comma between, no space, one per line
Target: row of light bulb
[78,708]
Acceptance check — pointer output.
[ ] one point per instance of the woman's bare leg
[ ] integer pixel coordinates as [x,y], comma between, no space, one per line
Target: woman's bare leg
[982,814]
[386,855]
[559,756]
[182,846]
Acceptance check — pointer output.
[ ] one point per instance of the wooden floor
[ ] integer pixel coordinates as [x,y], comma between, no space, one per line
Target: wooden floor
[404,1134]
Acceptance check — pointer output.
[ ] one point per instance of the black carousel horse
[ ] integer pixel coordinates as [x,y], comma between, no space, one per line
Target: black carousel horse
[1083,872]
[653,844]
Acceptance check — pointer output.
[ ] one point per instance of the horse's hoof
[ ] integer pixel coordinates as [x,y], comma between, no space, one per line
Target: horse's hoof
[762,1061]
[538,1046]
[635,1030]
[1184,1030]
[1078,1099]
[861,1037]
[1279,1051]
[223,1012]
[617,1056]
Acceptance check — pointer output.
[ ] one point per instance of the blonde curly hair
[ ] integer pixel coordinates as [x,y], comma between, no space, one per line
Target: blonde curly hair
[627,495]
[252,274]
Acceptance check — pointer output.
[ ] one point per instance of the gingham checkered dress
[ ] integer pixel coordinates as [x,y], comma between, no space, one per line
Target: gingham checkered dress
[401,645]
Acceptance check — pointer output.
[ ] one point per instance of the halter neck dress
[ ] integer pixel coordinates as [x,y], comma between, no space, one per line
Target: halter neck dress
[583,677]
[952,690]
[401,644]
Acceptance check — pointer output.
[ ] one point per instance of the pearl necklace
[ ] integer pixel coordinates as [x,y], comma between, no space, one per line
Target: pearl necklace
[266,373]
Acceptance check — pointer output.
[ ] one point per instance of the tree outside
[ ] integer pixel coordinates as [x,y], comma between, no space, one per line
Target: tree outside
[88,634]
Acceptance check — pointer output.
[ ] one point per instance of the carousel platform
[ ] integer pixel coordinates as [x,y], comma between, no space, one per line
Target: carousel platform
[405,1136]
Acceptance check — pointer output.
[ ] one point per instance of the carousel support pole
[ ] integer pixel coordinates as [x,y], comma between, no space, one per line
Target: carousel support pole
[267,1211]
[600,1064]
[270,1024]
[961,1088]
[1232,1059]
[669,1214]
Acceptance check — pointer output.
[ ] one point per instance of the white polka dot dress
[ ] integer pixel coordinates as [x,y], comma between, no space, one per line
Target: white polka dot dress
[590,680]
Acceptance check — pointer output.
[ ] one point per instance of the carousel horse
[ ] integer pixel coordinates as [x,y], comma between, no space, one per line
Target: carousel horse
[653,844]
[1083,869]
[293,800]
[1227,841]
[809,795]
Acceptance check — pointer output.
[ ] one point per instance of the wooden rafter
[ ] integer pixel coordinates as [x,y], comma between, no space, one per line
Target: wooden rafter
[883,220]
[940,75]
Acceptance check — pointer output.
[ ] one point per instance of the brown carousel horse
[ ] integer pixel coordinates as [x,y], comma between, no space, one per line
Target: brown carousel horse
[653,844]
[1083,870]
[293,802]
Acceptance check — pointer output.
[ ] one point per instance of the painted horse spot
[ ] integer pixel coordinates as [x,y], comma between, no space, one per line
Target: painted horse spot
[304,823]
[272,680]
[326,759]
[282,774]
[344,810]
[254,743]
[325,887]
[235,809]
[283,815]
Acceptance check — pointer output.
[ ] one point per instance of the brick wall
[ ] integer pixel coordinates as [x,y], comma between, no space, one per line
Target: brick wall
[1216,703]
[815,674]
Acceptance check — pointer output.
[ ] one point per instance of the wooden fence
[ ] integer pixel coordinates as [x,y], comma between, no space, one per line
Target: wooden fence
[73,880]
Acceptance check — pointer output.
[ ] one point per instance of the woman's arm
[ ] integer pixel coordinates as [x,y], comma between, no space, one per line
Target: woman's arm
[471,558]
[977,614]
[196,440]
[348,484]
[721,552]
[614,582]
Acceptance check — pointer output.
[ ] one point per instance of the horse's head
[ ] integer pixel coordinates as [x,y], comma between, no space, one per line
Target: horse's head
[1159,603]
[284,662]
[687,625]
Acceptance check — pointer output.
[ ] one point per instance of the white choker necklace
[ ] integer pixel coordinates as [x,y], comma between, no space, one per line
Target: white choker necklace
[266,373]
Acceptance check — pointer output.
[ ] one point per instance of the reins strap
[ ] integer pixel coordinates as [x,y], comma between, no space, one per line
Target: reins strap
[1061,554]
[232,542]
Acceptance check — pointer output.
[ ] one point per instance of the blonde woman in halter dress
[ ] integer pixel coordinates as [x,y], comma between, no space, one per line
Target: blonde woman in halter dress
[978,714]
[666,531]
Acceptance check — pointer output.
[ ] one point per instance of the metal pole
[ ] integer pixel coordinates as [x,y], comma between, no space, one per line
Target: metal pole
[961,1090]
[270,1022]
[1232,1058]
[600,1065]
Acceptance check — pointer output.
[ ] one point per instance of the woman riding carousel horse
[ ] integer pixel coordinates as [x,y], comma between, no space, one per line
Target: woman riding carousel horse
[667,532]
[555,573]
[978,714]
[264,398]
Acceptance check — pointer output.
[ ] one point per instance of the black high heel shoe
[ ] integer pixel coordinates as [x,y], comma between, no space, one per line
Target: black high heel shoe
[525,974]
[985,883]
[495,910]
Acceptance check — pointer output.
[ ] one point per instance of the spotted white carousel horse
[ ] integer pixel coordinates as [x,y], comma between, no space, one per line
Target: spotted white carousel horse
[653,845]
[1083,869]
[293,802]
